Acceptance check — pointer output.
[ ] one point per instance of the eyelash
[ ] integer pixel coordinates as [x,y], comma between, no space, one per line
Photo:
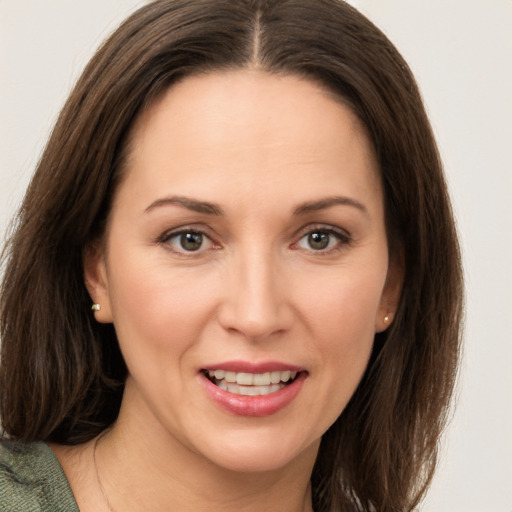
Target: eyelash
[343,239]
[166,238]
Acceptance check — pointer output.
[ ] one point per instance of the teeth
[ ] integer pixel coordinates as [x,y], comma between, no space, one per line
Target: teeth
[233,388]
[230,377]
[253,379]
[275,377]
[253,390]
[261,379]
[245,378]
[251,384]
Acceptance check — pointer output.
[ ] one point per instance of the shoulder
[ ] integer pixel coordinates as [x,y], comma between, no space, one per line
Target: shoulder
[31,479]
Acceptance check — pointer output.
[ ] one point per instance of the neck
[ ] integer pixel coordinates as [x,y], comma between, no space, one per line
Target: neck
[157,472]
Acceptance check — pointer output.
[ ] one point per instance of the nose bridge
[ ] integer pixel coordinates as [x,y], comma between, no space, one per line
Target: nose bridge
[255,305]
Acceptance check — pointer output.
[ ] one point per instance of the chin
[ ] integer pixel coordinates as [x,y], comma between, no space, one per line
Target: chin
[243,452]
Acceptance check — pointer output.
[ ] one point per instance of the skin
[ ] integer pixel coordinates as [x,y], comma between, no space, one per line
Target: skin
[261,148]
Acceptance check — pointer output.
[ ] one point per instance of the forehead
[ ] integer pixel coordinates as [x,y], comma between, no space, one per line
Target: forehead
[228,100]
[256,130]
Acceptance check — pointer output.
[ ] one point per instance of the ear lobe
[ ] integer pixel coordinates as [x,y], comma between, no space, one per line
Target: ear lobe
[96,282]
[391,293]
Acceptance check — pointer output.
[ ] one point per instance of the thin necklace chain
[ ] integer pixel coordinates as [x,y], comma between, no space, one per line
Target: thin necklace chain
[103,493]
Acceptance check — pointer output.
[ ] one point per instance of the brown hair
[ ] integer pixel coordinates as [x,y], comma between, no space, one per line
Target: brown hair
[62,374]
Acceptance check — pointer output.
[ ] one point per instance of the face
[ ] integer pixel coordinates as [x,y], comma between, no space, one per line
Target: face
[245,267]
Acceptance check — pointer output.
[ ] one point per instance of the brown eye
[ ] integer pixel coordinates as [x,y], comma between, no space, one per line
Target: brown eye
[191,241]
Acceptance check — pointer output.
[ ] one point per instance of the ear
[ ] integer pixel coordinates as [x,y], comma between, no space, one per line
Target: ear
[96,281]
[391,292]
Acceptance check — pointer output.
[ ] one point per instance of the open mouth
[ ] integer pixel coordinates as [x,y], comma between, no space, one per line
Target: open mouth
[251,384]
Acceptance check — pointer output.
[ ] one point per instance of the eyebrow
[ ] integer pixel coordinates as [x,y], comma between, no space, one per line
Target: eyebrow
[214,209]
[188,203]
[328,202]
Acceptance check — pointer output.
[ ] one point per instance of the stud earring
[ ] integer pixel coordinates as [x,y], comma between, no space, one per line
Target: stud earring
[386,319]
[95,307]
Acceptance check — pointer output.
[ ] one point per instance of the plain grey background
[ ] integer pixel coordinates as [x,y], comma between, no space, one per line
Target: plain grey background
[461,53]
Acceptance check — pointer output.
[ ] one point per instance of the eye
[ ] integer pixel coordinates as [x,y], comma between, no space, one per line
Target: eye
[322,240]
[187,241]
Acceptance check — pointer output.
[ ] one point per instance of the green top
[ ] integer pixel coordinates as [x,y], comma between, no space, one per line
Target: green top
[32,480]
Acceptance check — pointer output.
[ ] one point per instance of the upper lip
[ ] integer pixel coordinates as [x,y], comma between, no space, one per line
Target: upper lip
[251,367]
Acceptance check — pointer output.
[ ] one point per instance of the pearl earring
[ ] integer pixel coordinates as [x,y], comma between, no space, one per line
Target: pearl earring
[386,319]
[95,307]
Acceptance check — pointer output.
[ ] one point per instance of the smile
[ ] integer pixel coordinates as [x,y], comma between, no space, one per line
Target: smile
[251,384]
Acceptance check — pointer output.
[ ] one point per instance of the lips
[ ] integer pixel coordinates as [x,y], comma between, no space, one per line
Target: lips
[251,384]
[253,390]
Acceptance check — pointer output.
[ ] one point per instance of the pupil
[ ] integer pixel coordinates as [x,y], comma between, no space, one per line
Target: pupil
[318,240]
[191,241]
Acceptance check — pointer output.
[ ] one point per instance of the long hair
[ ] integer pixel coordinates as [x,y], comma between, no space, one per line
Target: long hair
[62,374]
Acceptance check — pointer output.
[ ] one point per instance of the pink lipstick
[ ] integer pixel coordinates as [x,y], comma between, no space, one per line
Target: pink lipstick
[252,389]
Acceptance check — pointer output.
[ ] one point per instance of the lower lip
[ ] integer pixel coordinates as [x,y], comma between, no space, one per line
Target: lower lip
[263,405]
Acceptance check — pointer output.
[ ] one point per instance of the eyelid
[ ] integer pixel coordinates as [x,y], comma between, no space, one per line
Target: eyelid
[322,227]
[164,238]
[343,235]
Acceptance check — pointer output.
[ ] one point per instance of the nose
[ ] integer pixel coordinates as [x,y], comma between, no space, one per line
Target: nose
[255,303]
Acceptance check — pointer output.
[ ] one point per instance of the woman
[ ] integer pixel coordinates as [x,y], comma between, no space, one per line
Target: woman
[250,196]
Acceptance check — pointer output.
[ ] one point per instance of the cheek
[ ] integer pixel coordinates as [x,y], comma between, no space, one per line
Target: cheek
[345,306]
[341,320]
[157,311]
